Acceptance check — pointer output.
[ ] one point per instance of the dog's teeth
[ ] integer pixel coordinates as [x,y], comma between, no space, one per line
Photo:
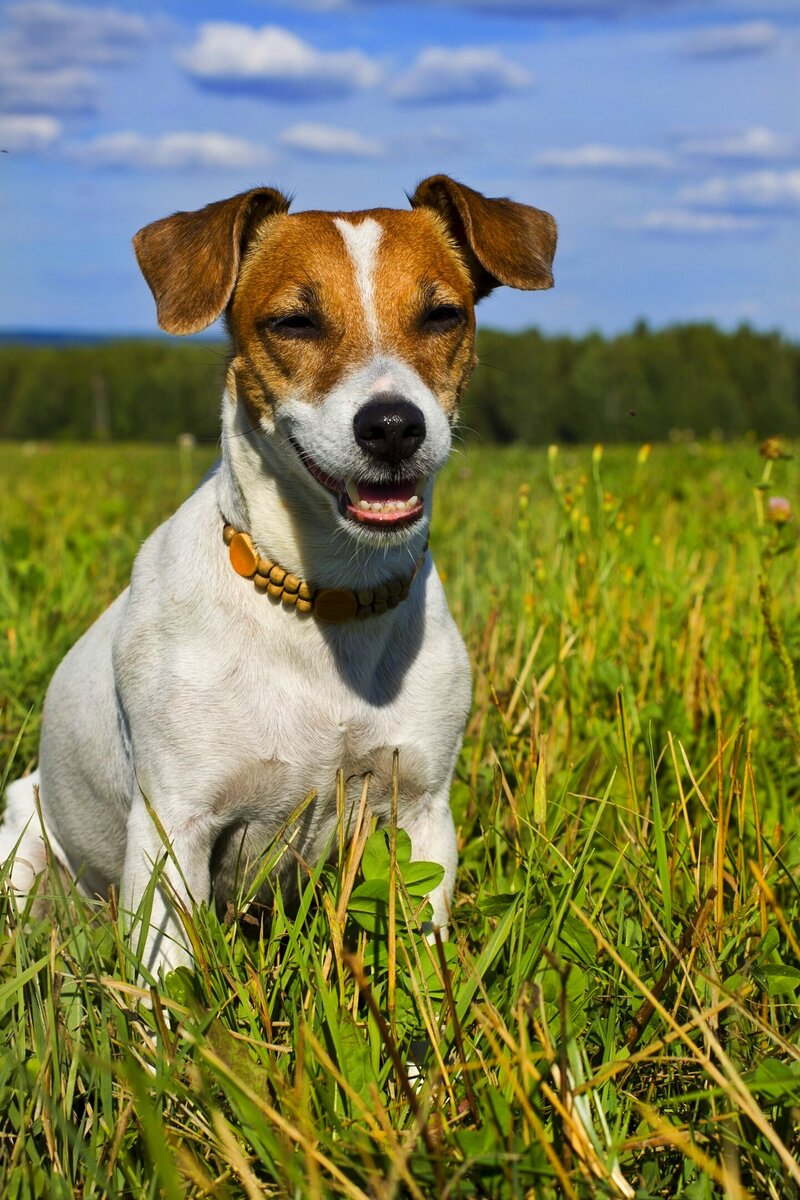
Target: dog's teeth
[364,505]
[412,502]
[352,491]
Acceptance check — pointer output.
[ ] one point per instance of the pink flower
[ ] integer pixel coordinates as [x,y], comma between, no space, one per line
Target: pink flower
[779,510]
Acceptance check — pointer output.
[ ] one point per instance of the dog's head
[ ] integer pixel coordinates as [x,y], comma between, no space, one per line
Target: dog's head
[353,333]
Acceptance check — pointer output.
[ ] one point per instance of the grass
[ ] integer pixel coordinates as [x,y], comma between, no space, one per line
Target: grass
[617,1012]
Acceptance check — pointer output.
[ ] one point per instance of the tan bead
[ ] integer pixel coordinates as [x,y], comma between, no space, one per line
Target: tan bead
[381,593]
[292,584]
[394,586]
[336,605]
[275,590]
[277,575]
[365,597]
[264,567]
[303,606]
[243,557]
[306,592]
[289,598]
[260,582]
[227,534]
[379,607]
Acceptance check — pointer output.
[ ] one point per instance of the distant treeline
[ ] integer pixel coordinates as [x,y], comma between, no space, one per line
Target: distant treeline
[639,386]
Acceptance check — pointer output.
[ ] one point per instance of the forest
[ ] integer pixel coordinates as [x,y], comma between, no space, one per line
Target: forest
[679,382]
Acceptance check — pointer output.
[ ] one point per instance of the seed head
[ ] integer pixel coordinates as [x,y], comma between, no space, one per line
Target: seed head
[771,448]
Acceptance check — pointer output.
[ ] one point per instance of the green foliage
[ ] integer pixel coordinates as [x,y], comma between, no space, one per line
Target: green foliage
[619,1004]
[640,386]
[133,390]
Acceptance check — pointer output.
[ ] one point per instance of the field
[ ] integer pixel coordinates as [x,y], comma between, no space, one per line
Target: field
[617,1012]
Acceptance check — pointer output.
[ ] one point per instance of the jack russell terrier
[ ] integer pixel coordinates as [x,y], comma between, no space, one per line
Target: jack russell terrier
[287,622]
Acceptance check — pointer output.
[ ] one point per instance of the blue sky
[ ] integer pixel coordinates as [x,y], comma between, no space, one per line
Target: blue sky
[662,134]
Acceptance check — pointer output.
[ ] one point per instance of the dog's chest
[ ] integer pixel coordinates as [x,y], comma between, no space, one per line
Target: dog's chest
[318,715]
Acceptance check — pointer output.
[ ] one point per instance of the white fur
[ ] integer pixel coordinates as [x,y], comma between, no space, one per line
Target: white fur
[362,239]
[199,699]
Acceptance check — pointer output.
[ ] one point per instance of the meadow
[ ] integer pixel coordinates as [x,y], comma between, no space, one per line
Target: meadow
[617,1013]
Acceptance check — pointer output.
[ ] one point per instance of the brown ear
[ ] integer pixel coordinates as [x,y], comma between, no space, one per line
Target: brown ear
[191,259]
[504,242]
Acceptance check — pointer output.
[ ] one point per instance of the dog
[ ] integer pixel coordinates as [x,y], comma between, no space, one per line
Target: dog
[287,622]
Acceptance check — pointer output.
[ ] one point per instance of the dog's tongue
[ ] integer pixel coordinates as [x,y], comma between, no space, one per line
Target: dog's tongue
[379,493]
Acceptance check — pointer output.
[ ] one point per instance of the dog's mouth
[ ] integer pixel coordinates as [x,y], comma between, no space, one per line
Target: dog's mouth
[380,505]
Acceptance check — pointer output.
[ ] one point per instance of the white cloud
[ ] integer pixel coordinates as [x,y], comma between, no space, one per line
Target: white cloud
[64,90]
[730,41]
[170,152]
[555,9]
[329,141]
[756,144]
[28,134]
[596,156]
[452,76]
[684,222]
[48,34]
[47,48]
[563,9]
[768,190]
[274,63]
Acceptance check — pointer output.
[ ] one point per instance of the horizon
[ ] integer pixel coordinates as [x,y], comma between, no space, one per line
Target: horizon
[216,333]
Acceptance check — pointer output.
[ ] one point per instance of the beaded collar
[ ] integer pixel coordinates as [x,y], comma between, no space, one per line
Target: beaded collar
[333,605]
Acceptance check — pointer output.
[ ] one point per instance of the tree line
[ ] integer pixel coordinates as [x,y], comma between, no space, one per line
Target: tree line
[644,385]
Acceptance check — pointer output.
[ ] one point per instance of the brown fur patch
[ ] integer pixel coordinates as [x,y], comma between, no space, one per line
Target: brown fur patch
[301,263]
[191,259]
[504,242]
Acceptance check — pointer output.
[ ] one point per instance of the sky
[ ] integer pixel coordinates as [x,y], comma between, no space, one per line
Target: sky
[663,135]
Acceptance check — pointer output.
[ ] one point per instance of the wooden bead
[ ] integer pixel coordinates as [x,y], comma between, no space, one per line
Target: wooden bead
[243,557]
[335,605]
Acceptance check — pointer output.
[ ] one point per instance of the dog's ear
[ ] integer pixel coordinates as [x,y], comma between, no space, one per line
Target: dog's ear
[191,259]
[503,242]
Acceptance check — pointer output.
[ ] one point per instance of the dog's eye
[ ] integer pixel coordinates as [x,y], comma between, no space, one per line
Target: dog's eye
[294,325]
[442,318]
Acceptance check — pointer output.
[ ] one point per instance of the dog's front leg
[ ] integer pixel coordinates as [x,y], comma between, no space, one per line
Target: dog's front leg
[184,876]
[433,839]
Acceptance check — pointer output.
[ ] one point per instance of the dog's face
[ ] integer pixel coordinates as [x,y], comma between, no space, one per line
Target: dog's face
[353,333]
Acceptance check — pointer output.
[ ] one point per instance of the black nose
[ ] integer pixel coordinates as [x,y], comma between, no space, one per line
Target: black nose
[390,429]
